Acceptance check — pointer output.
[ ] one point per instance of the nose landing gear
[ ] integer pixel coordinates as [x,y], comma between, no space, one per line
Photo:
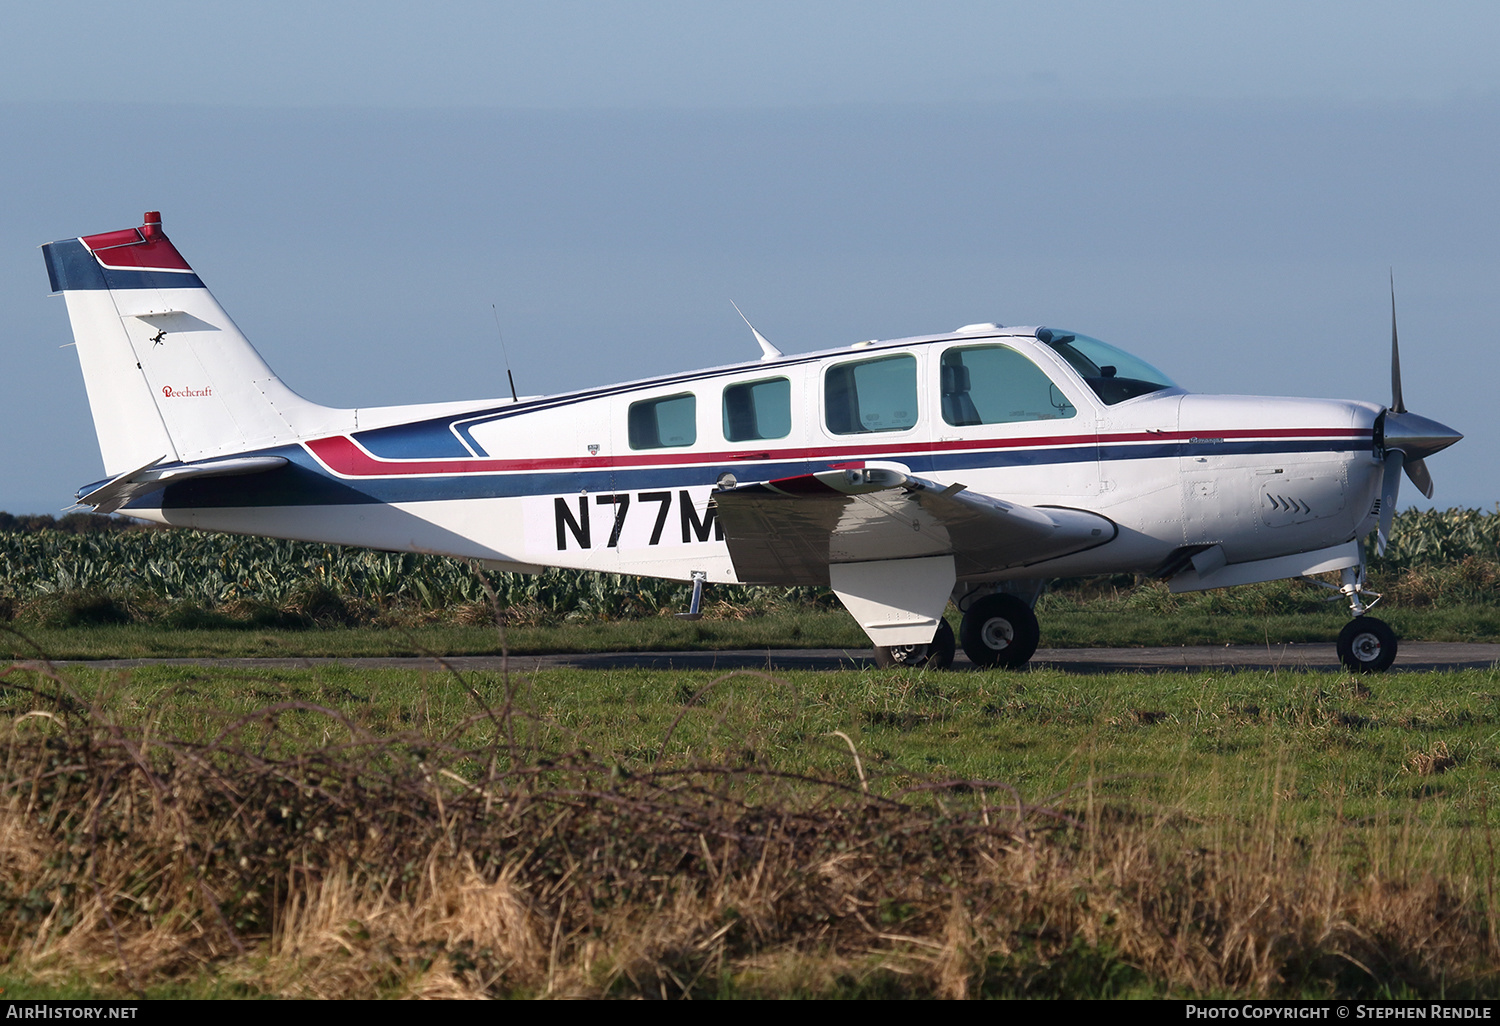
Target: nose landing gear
[1366,644]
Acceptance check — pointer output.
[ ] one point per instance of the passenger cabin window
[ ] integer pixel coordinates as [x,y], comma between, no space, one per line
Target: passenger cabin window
[664,423]
[758,409]
[871,395]
[997,385]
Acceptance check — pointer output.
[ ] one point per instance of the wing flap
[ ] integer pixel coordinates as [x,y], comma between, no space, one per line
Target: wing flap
[790,531]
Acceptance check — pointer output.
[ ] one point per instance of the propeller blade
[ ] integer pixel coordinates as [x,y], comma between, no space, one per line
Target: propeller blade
[1396,402]
[1417,471]
[1408,439]
[1390,490]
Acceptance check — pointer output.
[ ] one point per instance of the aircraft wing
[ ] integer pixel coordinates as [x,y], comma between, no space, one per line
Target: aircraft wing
[790,530]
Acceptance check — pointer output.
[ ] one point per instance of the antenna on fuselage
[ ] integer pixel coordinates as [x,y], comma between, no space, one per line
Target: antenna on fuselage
[768,351]
[506,356]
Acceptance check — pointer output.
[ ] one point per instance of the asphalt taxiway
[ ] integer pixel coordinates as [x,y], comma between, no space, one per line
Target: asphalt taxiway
[1415,656]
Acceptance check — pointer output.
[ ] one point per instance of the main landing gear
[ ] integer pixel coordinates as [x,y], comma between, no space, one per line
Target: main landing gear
[998,630]
[1366,644]
[937,654]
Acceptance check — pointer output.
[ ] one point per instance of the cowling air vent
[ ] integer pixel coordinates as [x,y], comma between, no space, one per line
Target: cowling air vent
[1300,499]
[1293,505]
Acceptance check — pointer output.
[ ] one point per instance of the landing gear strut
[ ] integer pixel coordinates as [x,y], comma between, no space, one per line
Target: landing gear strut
[937,654]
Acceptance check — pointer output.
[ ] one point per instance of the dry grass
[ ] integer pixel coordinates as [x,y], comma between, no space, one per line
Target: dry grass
[422,866]
[1435,760]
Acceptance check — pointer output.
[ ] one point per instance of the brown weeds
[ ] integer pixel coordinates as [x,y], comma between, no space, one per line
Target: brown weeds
[1435,760]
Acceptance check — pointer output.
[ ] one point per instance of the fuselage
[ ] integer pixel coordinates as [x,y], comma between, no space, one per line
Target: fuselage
[621,478]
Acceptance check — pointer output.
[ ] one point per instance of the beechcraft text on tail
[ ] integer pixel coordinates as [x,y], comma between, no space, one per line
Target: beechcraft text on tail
[968,466]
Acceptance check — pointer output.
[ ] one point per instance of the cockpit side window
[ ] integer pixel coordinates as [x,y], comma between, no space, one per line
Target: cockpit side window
[997,385]
[1112,373]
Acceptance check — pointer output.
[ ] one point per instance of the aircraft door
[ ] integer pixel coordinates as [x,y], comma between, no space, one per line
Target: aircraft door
[763,420]
[656,518]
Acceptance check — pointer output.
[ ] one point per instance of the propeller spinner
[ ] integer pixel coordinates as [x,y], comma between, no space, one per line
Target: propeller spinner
[1407,440]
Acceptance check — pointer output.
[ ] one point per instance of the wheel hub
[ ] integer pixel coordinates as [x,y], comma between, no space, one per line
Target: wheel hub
[997,633]
[1366,647]
[907,653]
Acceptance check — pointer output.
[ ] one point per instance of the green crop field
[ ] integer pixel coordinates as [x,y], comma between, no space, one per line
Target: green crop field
[106,592]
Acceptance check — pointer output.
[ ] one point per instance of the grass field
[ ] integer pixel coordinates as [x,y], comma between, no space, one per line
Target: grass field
[201,832]
[210,832]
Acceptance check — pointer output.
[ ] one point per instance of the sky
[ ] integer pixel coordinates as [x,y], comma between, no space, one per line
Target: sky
[368,188]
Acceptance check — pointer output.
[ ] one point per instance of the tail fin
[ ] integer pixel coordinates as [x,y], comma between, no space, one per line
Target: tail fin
[168,374]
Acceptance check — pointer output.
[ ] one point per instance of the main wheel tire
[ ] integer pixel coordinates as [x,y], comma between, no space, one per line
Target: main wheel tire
[1000,630]
[1367,645]
[937,654]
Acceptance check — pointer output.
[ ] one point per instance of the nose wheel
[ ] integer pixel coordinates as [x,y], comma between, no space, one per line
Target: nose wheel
[1367,645]
[937,654]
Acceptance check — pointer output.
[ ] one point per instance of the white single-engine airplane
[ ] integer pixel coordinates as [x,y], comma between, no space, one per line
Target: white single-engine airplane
[970,466]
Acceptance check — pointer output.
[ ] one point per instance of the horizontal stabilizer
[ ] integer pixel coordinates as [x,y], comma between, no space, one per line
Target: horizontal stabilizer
[118,491]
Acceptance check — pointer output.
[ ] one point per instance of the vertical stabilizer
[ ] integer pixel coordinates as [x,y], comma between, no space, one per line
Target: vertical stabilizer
[168,374]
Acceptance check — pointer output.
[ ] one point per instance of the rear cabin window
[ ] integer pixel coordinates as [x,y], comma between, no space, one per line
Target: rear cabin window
[664,423]
[871,395]
[758,409]
[996,385]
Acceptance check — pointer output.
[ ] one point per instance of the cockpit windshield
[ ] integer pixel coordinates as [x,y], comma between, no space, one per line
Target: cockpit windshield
[1112,373]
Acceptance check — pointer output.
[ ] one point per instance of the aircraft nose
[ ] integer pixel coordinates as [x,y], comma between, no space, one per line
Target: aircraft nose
[1416,436]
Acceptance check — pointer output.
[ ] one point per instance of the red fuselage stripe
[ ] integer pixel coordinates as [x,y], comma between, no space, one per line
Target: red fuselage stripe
[343,456]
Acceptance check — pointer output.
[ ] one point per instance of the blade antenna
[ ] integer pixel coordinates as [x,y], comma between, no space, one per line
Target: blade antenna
[768,351]
[505,355]
[1397,403]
